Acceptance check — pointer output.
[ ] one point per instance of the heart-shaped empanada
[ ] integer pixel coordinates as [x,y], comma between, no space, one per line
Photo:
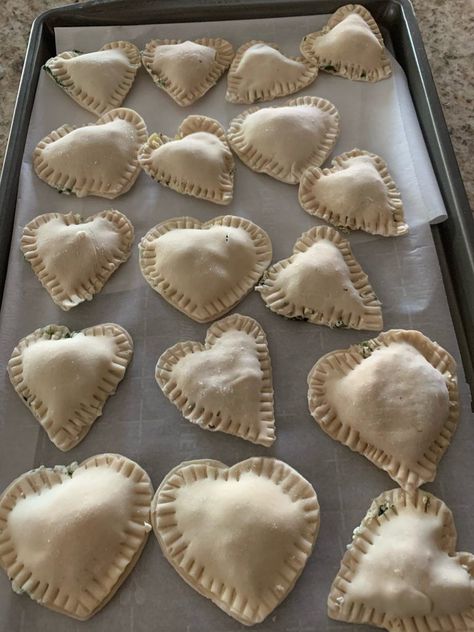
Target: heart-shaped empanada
[71,535]
[66,377]
[260,72]
[283,141]
[98,81]
[197,162]
[187,70]
[98,159]
[74,257]
[240,536]
[225,384]
[357,193]
[204,268]
[394,399]
[402,571]
[322,283]
[350,45]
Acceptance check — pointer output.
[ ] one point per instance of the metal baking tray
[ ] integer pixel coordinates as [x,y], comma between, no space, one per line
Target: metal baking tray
[453,240]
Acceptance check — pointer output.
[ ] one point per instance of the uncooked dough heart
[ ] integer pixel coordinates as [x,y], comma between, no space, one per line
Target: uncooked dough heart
[283,141]
[74,257]
[69,536]
[350,45]
[197,162]
[240,536]
[66,377]
[225,384]
[98,159]
[187,70]
[204,269]
[260,72]
[322,282]
[394,399]
[98,81]
[402,571]
[356,192]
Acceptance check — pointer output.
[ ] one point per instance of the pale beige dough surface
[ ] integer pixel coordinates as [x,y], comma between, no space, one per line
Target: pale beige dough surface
[446,28]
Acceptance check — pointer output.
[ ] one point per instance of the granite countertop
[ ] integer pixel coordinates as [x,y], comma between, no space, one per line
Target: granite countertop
[446,26]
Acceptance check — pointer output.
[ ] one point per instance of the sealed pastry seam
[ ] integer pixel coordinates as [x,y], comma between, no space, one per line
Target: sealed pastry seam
[55,372]
[246,571]
[429,587]
[339,364]
[283,141]
[240,249]
[97,159]
[242,400]
[99,529]
[267,76]
[182,93]
[354,203]
[197,162]
[334,64]
[74,265]
[323,285]
[105,62]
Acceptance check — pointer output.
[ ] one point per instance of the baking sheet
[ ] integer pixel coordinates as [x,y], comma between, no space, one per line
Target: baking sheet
[140,423]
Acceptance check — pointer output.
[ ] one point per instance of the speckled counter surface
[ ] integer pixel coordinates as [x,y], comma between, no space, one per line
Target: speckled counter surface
[446,25]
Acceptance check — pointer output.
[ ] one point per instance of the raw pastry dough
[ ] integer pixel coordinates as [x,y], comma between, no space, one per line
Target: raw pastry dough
[97,159]
[74,257]
[187,70]
[350,45]
[394,399]
[357,193]
[225,384]
[66,377]
[197,162]
[402,571]
[283,141]
[71,535]
[98,81]
[204,269]
[240,536]
[322,283]
[260,72]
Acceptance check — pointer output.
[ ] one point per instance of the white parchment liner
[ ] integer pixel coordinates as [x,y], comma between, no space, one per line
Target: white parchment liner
[140,423]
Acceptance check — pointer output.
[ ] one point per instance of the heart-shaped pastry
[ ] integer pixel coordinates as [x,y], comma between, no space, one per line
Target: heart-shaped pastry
[98,159]
[238,535]
[350,46]
[71,535]
[74,257]
[187,70]
[226,383]
[402,571]
[260,72]
[98,81]
[284,141]
[394,399]
[357,192]
[204,268]
[197,162]
[322,283]
[66,377]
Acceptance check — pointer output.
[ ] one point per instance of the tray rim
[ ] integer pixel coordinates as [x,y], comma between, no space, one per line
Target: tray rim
[453,238]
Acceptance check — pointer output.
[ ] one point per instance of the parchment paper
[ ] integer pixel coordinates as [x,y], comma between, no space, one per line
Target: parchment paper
[142,424]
